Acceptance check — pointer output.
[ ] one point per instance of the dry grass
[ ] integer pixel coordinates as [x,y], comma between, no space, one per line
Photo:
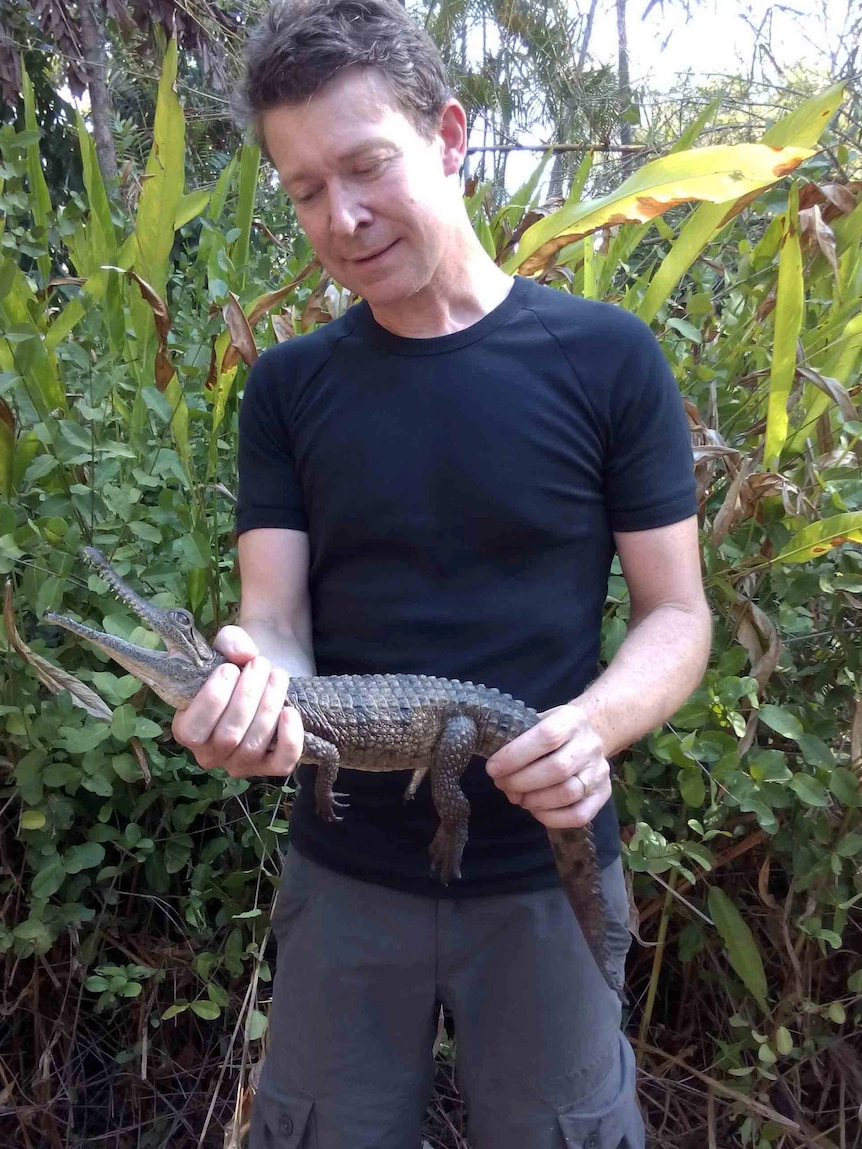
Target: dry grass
[70,1077]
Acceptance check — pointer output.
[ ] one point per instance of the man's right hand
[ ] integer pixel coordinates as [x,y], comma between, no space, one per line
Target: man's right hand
[238,720]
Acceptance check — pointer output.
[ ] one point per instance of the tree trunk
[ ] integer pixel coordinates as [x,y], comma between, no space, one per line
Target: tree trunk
[95,60]
[561,169]
[624,86]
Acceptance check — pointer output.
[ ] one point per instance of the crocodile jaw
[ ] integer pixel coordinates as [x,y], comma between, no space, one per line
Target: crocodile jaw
[174,678]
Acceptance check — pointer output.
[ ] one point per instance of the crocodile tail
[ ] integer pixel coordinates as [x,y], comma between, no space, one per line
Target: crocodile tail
[575,857]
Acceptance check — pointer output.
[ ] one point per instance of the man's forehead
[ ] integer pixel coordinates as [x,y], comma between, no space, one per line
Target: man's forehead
[352,114]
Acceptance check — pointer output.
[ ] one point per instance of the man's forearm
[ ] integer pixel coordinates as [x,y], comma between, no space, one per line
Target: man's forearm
[659,664]
[280,644]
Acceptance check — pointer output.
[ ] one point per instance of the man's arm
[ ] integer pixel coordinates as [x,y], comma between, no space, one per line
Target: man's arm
[232,720]
[559,769]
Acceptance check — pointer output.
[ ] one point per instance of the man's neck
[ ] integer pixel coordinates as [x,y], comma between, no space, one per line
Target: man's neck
[467,294]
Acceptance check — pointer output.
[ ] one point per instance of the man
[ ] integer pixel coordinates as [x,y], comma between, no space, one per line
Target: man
[436,483]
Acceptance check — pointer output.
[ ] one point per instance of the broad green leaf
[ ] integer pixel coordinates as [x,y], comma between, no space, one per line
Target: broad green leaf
[249,174]
[691,787]
[818,538]
[31,358]
[84,857]
[190,206]
[740,945]
[100,233]
[208,1010]
[521,202]
[810,789]
[40,197]
[163,184]
[49,878]
[214,211]
[789,310]
[69,317]
[815,752]
[849,845]
[781,721]
[255,1026]
[846,787]
[716,174]
[804,126]
[123,723]
[175,1010]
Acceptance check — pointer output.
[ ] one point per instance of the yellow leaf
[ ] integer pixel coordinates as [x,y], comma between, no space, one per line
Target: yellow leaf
[716,174]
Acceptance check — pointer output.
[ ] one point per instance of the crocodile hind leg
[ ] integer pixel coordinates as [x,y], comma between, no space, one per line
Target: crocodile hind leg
[577,865]
[319,752]
[452,754]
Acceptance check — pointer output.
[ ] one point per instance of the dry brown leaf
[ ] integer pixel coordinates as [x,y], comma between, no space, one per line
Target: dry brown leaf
[282,325]
[814,230]
[138,751]
[732,510]
[763,885]
[54,677]
[760,637]
[242,338]
[856,741]
[315,310]
[747,740]
[65,281]
[266,302]
[6,415]
[164,368]
[835,199]
[835,390]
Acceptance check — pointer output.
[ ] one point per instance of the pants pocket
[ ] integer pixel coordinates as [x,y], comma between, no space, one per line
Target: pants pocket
[617,1125]
[281,1119]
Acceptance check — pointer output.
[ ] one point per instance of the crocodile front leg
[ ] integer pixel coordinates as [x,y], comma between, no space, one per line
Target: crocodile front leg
[318,752]
[452,754]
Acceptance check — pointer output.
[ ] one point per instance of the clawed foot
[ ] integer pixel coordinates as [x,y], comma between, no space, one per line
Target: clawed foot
[446,851]
[328,807]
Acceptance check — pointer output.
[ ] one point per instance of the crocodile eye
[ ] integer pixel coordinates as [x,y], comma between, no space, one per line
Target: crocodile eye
[183,618]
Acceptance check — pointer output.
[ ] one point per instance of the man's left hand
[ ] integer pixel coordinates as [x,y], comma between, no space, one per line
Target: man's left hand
[557,770]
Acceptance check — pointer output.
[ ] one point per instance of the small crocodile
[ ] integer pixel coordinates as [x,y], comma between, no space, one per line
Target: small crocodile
[375,722]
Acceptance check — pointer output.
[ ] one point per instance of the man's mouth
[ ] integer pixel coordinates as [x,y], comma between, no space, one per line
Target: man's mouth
[365,260]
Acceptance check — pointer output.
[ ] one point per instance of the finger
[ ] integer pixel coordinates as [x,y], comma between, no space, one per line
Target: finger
[540,741]
[236,644]
[556,768]
[578,814]
[231,728]
[288,746]
[575,789]
[258,742]
[192,727]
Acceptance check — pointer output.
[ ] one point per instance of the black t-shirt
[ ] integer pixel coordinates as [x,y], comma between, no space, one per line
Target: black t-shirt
[460,495]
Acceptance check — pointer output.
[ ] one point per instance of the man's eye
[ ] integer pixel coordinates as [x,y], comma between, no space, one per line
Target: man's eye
[371,168]
[304,197]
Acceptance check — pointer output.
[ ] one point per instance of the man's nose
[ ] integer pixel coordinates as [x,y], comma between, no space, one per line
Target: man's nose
[347,213]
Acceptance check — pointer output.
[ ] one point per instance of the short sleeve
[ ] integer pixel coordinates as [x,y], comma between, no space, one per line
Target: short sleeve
[269,490]
[649,471]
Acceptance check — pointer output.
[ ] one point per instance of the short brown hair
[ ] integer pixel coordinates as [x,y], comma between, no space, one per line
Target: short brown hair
[300,45]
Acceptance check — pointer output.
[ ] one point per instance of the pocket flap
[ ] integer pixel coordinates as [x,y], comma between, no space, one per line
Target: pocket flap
[279,1117]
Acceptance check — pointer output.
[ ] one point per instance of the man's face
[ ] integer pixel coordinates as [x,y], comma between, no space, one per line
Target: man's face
[371,193]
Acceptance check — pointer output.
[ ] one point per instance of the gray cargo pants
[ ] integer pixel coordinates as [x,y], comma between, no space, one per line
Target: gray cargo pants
[361,973]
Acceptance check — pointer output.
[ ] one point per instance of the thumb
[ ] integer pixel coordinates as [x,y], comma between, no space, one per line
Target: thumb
[236,645]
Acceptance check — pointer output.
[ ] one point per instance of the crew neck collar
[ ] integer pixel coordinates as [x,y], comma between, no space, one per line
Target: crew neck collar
[364,323]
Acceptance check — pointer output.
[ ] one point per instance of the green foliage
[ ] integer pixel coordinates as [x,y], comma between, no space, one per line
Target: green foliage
[118,395]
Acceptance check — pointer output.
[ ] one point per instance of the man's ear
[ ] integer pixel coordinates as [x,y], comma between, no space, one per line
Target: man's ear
[453,136]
